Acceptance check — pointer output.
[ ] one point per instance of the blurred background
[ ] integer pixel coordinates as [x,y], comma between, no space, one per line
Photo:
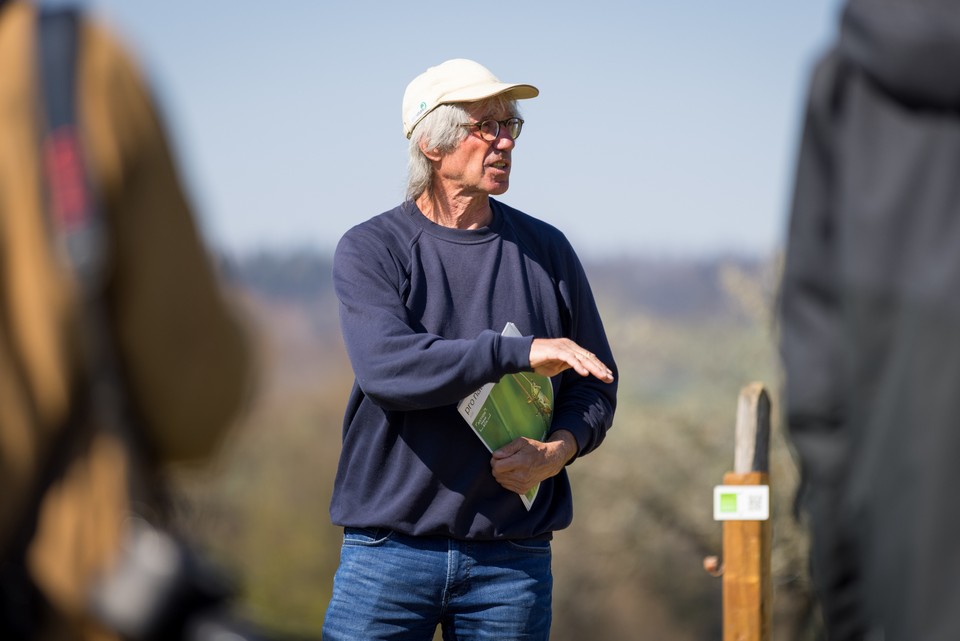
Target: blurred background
[662,143]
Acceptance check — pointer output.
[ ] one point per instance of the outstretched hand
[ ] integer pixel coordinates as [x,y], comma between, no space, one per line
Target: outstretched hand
[550,356]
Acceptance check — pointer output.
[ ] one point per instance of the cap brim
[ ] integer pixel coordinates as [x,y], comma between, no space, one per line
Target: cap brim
[513,91]
[472,94]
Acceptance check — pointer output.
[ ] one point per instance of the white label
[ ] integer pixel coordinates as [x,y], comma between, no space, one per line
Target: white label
[741,503]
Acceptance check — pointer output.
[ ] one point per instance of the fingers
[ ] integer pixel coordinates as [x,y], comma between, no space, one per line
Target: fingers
[511,476]
[550,356]
[530,462]
[514,465]
[588,364]
[509,449]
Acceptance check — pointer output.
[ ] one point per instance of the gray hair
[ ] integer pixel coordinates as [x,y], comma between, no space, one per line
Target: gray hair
[440,129]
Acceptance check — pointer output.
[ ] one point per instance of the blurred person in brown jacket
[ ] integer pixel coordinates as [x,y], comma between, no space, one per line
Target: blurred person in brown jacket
[181,349]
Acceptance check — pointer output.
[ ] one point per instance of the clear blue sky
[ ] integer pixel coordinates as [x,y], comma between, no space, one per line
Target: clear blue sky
[662,128]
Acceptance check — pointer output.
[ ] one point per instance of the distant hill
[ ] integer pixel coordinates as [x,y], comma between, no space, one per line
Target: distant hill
[683,289]
[294,276]
[673,289]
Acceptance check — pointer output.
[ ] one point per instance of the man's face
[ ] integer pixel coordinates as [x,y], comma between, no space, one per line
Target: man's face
[478,166]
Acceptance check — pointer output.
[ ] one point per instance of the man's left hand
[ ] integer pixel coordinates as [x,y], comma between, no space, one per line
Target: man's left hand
[521,464]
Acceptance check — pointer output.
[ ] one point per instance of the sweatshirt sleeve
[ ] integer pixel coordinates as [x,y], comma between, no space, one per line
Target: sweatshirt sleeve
[399,366]
[585,406]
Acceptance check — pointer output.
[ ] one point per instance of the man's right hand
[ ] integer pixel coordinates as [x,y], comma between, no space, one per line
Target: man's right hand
[550,356]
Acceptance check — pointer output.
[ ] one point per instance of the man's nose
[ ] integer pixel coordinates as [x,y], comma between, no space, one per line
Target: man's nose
[504,141]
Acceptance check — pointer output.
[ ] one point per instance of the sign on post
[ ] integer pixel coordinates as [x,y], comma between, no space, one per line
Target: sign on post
[742,502]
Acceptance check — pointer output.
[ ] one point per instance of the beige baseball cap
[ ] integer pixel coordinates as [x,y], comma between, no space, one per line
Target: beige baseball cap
[457,80]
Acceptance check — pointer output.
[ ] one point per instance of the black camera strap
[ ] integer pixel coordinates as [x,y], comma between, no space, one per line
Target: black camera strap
[72,205]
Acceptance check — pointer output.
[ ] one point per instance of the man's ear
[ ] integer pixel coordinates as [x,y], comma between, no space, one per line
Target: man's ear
[432,155]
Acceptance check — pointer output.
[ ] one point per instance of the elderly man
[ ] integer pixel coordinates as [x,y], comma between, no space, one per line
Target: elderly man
[435,533]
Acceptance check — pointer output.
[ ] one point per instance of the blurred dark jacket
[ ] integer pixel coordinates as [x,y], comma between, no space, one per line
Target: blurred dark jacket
[183,351]
[871,322]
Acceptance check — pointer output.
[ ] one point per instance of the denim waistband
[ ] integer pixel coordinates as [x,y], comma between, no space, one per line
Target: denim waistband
[384,531]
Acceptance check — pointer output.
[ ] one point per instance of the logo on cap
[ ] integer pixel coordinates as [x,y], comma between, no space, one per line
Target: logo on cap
[420,109]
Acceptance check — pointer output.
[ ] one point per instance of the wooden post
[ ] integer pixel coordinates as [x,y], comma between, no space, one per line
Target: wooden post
[747,589]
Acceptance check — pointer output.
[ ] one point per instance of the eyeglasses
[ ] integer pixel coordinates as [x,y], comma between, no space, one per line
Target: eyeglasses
[490,129]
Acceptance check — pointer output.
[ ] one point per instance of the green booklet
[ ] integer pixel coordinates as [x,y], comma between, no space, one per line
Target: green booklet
[517,405]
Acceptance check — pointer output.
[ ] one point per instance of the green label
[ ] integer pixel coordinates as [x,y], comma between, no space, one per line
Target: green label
[728,502]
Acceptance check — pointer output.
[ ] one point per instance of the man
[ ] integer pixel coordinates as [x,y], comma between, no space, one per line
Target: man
[434,530]
[67,478]
[871,322]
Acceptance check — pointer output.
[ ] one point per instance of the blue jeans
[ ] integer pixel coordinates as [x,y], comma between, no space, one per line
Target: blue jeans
[398,587]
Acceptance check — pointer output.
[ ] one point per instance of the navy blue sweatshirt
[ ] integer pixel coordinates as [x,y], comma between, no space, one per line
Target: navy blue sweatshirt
[421,310]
